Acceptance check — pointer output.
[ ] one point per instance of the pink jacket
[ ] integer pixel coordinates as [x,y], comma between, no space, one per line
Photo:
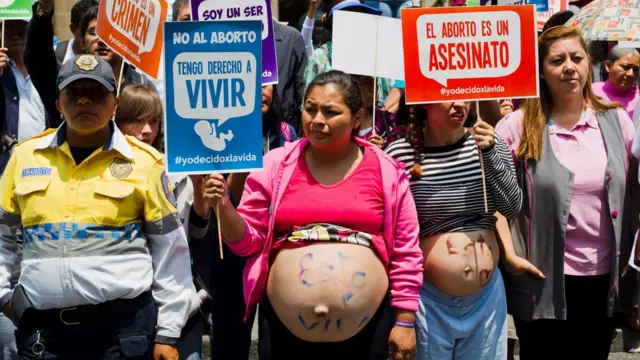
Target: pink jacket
[263,192]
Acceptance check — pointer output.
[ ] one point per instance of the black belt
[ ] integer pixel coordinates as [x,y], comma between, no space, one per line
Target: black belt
[77,315]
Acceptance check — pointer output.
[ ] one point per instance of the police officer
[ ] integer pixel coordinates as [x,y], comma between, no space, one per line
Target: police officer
[102,240]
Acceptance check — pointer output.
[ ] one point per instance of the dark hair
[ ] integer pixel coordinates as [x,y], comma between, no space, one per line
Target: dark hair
[348,86]
[176,8]
[558,19]
[417,121]
[272,119]
[90,15]
[79,9]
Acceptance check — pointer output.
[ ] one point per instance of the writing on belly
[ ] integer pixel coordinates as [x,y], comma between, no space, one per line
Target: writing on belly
[480,245]
[315,272]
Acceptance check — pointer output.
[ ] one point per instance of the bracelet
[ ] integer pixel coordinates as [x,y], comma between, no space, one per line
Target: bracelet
[405,324]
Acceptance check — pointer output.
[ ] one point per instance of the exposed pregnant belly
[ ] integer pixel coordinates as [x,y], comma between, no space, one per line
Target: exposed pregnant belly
[460,263]
[326,292]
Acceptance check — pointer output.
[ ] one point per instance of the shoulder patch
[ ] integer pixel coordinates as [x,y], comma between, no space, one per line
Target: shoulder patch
[167,188]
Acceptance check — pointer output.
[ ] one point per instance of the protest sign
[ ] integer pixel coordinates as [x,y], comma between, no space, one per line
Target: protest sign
[541,5]
[472,53]
[16,9]
[213,111]
[207,10]
[133,29]
[377,52]
[555,6]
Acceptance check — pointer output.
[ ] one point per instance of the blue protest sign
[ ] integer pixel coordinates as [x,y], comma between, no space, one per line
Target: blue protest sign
[213,112]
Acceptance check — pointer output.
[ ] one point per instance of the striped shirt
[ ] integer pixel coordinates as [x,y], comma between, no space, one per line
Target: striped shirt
[449,196]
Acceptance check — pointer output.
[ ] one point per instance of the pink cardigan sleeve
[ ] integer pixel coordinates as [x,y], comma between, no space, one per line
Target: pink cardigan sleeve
[405,268]
[255,206]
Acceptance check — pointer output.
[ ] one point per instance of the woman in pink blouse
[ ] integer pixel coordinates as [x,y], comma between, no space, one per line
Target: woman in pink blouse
[571,152]
[621,71]
[330,227]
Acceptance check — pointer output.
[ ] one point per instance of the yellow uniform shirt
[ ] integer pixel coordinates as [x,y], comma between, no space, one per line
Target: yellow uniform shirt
[102,230]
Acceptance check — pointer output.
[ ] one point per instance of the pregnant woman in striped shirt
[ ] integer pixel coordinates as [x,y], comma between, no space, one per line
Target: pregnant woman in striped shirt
[462,301]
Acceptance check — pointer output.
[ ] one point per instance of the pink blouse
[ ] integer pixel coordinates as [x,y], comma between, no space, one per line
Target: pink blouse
[582,151]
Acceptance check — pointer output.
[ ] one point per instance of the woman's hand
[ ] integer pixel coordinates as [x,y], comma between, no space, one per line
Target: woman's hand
[377,141]
[506,107]
[402,343]
[313,8]
[519,266]
[215,191]
[392,104]
[165,352]
[483,134]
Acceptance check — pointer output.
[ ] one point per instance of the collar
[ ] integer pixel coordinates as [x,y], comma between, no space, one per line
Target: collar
[117,140]
[609,88]
[588,118]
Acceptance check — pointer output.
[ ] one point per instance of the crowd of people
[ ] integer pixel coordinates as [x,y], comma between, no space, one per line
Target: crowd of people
[376,230]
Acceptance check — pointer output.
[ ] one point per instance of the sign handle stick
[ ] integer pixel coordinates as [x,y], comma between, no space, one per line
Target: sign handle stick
[119,78]
[484,182]
[219,231]
[375,81]
[2,45]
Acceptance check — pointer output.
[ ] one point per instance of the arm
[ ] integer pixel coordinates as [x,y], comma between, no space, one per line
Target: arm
[10,222]
[236,183]
[307,28]
[245,230]
[199,211]
[172,279]
[405,267]
[501,179]
[515,264]
[41,62]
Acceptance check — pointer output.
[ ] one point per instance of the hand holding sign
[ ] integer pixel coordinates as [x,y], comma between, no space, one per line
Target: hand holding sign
[483,134]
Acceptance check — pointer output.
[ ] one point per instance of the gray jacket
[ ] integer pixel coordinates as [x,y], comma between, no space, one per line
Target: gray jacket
[539,231]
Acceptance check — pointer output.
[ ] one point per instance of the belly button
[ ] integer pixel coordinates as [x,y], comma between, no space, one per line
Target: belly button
[321,311]
[467,270]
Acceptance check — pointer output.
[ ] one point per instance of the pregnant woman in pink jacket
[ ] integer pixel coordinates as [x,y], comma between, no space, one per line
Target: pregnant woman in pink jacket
[331,231]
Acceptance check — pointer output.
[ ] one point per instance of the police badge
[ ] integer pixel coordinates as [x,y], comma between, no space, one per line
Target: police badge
[86,62]
[120,168]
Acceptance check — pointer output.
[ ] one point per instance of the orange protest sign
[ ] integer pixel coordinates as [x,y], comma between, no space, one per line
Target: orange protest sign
[133,29]
[470,53]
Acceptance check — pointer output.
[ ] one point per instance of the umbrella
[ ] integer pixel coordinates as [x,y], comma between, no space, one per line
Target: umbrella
[609,20]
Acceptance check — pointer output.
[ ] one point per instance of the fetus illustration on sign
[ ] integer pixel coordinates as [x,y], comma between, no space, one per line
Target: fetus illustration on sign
[210,136]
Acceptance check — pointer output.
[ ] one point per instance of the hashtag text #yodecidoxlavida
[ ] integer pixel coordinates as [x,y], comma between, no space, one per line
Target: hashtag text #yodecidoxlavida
[214,159]
[472,90]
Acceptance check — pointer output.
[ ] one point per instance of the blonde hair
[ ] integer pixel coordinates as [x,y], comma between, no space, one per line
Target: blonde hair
[536,111]
[139,103]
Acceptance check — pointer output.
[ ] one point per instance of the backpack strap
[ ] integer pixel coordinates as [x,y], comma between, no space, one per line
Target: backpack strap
[284,128]
[61,50]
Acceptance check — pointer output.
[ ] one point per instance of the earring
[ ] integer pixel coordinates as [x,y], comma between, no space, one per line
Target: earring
[62,116]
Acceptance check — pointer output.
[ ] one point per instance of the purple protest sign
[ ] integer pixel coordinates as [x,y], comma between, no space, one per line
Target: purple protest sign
[208,10]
